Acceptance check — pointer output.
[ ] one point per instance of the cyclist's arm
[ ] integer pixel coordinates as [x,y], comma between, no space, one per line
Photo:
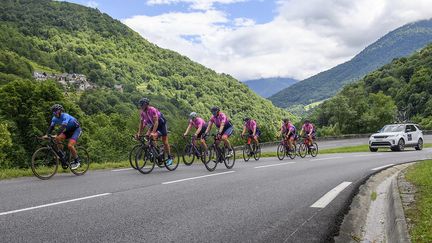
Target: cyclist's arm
[198,130]
[254,131]
[50,129]
[140,128]
[221,127]
[209,127]
[244,130]
[301,132]
[187,130]
[155,123]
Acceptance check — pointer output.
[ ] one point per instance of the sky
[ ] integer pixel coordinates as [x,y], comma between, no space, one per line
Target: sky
[251,39]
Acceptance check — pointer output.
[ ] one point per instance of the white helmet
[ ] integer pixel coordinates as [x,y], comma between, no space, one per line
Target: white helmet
[193,115]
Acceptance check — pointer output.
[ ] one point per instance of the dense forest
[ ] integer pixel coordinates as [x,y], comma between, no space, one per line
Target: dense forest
[401,42]
[59,37]
[398,91]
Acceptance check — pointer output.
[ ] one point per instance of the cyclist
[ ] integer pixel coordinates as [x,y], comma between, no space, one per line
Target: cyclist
[289,131]
[156,123]
[253,130]
[224,125]
[69,129]
[309,129]
[200,125]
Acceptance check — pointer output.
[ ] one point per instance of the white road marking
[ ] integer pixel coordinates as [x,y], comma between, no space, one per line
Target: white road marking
[122,169]
[198,177]
[378,168]
[54,204]
[362,155]
[326,158]
[264,166]
[329,196]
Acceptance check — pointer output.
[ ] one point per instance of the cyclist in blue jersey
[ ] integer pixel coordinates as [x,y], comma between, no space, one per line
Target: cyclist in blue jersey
[69,129]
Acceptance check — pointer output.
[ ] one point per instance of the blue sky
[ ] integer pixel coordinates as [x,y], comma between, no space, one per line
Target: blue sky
[252,39]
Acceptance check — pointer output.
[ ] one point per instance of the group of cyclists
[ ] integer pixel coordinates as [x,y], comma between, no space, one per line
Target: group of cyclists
[154,121]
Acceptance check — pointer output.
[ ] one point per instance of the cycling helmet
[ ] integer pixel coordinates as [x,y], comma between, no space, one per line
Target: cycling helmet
[193,115]
[306,121]
[57,107]
[215,110]
[246,119]
[285,120]
[144,101]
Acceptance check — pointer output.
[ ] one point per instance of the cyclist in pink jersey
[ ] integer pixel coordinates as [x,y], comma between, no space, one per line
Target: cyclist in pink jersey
[224,125]
[200,125]
[289,131]
[156,123]
[251,127]
[309,129]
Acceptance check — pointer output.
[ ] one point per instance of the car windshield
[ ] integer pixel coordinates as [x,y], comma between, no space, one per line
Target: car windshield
[393,128]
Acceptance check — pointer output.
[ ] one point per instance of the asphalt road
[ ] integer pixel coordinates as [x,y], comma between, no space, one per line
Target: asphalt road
[264,201]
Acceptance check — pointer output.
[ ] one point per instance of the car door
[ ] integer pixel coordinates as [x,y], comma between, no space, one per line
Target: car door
[415,134]
[410,134]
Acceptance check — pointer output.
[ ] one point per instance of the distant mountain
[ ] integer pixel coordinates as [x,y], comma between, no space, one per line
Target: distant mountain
[269,86]
[398,43]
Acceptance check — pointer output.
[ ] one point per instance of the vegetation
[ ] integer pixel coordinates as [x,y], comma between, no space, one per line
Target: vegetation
[401,90]
[57,37]
[266,87]
[421,214]
[398,43]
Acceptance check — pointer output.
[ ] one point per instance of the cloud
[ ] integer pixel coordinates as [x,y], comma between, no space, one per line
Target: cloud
[92,4]
[304,37]
[194,4]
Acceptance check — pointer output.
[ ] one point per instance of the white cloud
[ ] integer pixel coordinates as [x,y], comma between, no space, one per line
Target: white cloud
[304,38]
[92,4]
[194,4]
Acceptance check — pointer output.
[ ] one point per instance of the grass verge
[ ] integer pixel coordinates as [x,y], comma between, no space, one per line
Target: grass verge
[421,214]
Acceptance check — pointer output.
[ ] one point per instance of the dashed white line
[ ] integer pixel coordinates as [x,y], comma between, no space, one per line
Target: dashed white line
[329,196]
[326,158]
[198,177]
[53,204]
[122,169]
[362,155]
[381,167]
[264,166]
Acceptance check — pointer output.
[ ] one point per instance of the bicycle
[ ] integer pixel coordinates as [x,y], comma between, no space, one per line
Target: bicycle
[219,154]
[305,149]
[151,154]
[132,154]
[251,149]
[45,160]
[283,150]
[191,151]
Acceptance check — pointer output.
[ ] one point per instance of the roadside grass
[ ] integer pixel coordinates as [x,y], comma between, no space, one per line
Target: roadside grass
[420,175]
[13,173]
[373,196]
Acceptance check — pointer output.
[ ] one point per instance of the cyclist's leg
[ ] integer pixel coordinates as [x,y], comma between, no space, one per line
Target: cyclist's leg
[73,140]
[163,131]
[59,140]
[226,134]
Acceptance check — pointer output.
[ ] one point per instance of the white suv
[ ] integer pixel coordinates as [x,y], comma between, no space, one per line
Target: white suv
[397,137]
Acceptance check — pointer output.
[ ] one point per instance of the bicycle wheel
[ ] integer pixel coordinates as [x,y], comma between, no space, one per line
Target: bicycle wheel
[175,158]
[229,160]
[204,153]
[85,161]
[132,155]
[292,152]
[188,154]
[212,159]
[246,153]
[257,152]
[144,160]
[303,150]
[281,151]
[44,163]
[314,150]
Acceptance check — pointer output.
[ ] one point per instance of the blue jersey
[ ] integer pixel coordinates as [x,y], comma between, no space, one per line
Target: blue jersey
[65,120]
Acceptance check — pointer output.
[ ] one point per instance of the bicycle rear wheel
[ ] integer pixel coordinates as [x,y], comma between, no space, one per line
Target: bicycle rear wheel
[85,161]
[204,153]
[44,163]
[246,153]
[292,152]
[212,160]
[229,160]
[281,151]
[303,150]
[144,160]
[175,159]
[314,150]
[188,154]
[132,155]
[257,153]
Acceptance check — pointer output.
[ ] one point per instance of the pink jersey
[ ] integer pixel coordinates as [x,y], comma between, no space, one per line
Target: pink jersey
[308,128]
[199,122]
[148,115]
[251,125]
[221,118]
[288,128]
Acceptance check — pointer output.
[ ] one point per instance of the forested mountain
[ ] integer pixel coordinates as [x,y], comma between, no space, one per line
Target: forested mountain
[61,37]
[398,43]
[401,90]
[266,87]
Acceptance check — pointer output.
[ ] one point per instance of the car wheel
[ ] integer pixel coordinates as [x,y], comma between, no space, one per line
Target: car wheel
[373,149]
[401,145]
[419,144]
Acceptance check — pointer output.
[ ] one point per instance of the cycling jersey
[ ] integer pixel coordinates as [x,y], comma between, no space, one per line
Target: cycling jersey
[199,122]
[250,126]
[219,119]
[308,128]
[66,120]
[288,128]
[147,120]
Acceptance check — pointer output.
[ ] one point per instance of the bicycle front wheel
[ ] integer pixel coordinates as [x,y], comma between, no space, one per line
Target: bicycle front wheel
[303,150]
[281,151]
[132,155]
[85,161]
[144,160]
[175,159]
[314,150]
[246,153]
[257,153]
[292,152]
[44,163]
[212,159]
[188,154]
[229,158]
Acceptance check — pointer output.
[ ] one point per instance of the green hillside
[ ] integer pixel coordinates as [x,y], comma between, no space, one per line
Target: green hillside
[60,37]
[401,90]
[398,43]
[266,87]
